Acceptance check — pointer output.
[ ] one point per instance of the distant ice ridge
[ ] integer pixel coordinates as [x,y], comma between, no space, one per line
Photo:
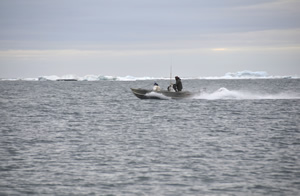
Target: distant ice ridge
[246,74]
[224,93]
[95,78]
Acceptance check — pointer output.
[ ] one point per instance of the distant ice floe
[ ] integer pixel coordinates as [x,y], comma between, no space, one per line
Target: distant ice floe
[95,78]
[246,74]
[84,78]
[230,75]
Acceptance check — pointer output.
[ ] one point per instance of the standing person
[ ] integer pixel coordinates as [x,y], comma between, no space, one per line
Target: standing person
[178,86]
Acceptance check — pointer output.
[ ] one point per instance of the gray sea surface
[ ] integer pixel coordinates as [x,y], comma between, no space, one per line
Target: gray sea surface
[236,137]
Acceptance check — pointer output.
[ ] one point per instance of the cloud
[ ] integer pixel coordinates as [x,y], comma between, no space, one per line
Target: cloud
[133,33]
[219,49]
[107,22]
[266,38]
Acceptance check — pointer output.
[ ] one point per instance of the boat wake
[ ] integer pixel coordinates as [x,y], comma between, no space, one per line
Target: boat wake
[224,93]
[157,95]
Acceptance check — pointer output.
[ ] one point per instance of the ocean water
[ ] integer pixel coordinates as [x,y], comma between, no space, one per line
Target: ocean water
[236,137]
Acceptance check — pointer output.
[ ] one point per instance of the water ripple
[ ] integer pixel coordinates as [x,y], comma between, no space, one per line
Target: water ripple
[96,138]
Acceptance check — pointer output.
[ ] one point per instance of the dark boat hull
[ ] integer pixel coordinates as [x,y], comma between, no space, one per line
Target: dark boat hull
[150,94]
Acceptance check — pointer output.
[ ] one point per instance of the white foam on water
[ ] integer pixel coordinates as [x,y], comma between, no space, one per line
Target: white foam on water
[224,93]
[158,95]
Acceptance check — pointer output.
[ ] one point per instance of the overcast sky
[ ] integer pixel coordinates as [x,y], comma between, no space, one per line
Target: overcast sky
[144,37]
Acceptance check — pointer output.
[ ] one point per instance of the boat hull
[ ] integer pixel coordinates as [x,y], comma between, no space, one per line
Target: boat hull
[150,94]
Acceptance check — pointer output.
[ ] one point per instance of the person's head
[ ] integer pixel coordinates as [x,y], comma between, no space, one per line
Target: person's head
[177,78]
[155,84]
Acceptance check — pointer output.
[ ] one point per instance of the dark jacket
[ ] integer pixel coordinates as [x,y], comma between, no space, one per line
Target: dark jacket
[178,84]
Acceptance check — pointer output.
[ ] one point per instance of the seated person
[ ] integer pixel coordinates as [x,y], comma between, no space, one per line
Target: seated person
[156,87]
[170,88]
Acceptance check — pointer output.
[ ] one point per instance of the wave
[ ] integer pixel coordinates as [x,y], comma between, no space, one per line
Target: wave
[224,93]
[230,75]
[158,95]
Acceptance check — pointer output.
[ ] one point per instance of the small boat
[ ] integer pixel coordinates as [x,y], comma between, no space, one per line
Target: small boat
[162,94]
